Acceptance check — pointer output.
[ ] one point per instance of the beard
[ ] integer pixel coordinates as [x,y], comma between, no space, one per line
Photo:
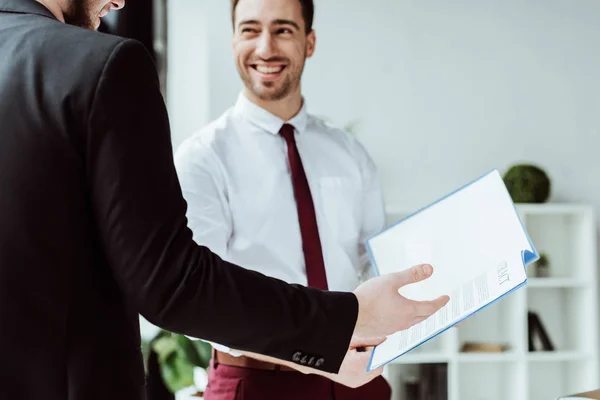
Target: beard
[78,14]
[264,91]
[273,91]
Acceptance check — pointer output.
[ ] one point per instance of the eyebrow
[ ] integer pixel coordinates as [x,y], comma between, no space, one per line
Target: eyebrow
[286,22]
[275,22]
[248,22]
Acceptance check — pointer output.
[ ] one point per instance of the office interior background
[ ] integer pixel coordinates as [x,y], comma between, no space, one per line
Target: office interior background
[439,93]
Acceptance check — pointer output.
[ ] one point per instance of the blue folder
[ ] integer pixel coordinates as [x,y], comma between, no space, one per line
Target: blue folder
[501,196]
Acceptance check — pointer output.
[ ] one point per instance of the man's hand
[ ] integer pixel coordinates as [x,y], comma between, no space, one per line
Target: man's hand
[353,372]
[383,311]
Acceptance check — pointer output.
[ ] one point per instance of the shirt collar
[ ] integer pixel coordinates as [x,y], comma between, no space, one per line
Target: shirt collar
[267,121]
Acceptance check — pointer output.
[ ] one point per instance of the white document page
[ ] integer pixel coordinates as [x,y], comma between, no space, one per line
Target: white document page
[475,242]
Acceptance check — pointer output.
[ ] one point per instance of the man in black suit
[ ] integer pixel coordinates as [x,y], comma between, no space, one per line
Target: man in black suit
[93,229]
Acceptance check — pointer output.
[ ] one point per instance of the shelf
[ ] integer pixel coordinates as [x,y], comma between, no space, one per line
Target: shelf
[497,324]
[548,356]
[565,316]
[553,208]
[493,381]
[555,283]
[528,209]
[552,377]
[567,240]
[488,357]
[566,302]
[539,356]
[422,358]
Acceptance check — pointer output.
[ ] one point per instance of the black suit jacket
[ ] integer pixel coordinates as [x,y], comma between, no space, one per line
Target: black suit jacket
[93,228]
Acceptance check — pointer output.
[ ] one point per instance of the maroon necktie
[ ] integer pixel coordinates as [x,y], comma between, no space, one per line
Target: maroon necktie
[311,244]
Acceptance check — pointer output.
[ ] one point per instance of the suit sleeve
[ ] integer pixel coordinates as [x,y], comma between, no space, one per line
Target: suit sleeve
[175,283]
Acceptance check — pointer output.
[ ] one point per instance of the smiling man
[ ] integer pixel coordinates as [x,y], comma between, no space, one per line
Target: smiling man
[280,191]
[93,229]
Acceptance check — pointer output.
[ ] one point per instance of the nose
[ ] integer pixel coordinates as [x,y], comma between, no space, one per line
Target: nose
[265,46]
[117,4]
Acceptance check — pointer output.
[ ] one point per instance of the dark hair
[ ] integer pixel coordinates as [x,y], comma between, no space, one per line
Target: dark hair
[308,13]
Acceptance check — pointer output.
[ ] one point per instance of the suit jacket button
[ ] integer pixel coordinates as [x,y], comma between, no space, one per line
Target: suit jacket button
[296,356]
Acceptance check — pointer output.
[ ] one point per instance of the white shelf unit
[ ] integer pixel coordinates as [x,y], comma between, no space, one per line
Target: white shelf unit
[566,302]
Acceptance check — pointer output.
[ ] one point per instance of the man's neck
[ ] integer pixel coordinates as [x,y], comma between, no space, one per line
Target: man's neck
[285,108]
[54,7]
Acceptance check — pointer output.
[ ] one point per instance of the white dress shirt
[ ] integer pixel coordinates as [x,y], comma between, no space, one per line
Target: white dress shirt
[235,177]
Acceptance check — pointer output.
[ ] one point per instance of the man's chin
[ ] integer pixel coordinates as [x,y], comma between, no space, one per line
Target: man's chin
[269,94]
[271,97]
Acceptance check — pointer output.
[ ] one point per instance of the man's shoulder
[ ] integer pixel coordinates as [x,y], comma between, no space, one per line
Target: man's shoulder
[74,56]
[86,37]
[342,136]
[320,123]
[206,141]
[65,62]
[71,44]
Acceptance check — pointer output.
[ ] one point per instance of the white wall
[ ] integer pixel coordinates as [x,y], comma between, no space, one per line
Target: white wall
[444,91]
[188,57]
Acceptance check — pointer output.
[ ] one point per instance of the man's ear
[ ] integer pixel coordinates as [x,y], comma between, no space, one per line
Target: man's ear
[311,40]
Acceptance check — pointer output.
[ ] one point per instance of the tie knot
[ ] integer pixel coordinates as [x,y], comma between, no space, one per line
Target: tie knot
[287,131]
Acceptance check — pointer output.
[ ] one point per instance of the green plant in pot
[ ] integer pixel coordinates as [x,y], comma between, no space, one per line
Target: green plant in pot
[179,359]
[527,183]
[542,267]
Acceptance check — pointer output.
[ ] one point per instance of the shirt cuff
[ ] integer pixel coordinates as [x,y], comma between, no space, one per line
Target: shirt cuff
[219,347]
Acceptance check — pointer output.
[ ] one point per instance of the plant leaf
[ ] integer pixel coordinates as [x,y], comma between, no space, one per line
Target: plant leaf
[164,347]
[177,373]
[189,350]
[204,350]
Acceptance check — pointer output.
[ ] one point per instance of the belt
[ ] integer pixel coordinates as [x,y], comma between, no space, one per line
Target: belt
[247,362]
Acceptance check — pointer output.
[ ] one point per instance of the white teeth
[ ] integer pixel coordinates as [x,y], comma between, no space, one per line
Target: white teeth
[268,70]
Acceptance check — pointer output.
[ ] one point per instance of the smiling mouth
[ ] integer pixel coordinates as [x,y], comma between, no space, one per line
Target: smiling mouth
[264,70]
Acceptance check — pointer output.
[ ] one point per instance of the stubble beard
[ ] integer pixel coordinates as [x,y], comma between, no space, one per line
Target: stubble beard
[79,15]
[262,89]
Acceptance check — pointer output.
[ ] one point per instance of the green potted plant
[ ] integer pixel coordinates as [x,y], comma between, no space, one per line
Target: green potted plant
[527,183]
[183,362]
[542,267]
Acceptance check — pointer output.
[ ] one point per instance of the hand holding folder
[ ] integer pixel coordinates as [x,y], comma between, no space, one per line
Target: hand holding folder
[476,243]
[407,312]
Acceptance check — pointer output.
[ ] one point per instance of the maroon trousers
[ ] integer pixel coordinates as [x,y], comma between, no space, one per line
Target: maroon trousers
[239,383]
